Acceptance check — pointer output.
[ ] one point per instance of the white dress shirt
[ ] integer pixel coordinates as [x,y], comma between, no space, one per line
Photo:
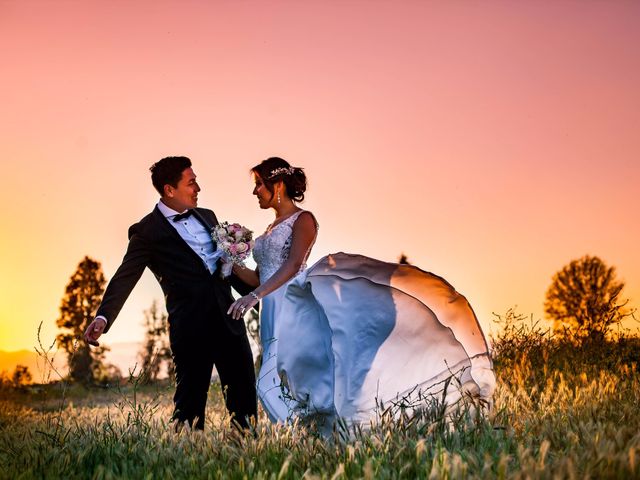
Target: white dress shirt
[195,234]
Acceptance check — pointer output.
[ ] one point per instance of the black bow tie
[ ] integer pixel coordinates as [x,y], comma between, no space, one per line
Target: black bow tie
[182,216]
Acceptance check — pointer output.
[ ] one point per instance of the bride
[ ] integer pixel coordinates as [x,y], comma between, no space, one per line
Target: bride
[351,333]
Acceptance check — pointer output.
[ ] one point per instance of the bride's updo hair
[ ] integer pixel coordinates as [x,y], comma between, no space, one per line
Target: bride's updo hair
[276,169]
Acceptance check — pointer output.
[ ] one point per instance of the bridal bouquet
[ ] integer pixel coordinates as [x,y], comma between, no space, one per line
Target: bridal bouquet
[235,241]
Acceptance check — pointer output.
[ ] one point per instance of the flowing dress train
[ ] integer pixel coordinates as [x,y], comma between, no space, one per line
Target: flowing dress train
[352,333]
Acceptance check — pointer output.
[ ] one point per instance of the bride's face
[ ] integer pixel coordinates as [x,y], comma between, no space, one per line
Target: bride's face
[265,197]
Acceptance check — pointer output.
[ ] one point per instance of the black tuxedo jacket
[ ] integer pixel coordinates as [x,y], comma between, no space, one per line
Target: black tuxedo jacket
[191,292]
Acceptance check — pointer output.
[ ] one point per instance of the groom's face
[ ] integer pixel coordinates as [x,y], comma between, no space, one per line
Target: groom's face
[185,194]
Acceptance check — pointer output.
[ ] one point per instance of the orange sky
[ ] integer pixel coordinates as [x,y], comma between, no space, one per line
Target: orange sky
[492,142]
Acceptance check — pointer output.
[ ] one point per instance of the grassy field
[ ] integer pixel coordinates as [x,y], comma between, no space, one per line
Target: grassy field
[557,414]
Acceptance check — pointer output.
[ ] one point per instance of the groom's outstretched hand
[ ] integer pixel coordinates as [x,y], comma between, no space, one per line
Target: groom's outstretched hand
[93,331]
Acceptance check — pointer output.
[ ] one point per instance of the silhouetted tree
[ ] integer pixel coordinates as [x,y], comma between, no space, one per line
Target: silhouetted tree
[5,381]
[584,300]
[79,304]
[155,350]
[403,260]
[21,376]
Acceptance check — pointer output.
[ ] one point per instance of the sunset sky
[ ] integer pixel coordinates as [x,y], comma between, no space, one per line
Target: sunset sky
[492,142]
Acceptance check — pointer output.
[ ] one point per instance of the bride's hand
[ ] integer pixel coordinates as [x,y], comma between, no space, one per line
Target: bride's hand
[241,306]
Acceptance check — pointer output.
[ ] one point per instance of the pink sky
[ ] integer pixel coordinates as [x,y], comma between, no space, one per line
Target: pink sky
[492,142]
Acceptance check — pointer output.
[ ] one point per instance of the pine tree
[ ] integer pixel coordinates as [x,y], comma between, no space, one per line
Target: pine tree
[79,304]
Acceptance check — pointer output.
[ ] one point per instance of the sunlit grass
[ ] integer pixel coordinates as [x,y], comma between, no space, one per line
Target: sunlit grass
[547,421]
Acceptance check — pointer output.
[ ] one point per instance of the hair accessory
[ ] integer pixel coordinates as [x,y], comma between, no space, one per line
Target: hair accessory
[281,171]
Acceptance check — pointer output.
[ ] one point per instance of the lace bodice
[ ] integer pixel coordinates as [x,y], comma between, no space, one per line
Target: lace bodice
[273,246]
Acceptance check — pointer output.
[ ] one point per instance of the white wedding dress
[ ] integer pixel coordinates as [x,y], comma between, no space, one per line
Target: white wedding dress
[352,333]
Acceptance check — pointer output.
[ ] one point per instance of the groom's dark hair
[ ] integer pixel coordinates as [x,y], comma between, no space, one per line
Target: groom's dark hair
[168,171]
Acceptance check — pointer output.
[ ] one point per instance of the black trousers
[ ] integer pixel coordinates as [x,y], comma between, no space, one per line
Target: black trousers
[204,341]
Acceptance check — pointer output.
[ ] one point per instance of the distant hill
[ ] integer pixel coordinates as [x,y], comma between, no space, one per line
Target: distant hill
[122,355]
[9,360]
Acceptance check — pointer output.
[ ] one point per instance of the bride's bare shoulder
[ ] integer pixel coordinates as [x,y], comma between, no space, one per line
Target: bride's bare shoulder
[306,219]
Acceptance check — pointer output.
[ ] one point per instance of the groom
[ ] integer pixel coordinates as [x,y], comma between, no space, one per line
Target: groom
[174,242]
